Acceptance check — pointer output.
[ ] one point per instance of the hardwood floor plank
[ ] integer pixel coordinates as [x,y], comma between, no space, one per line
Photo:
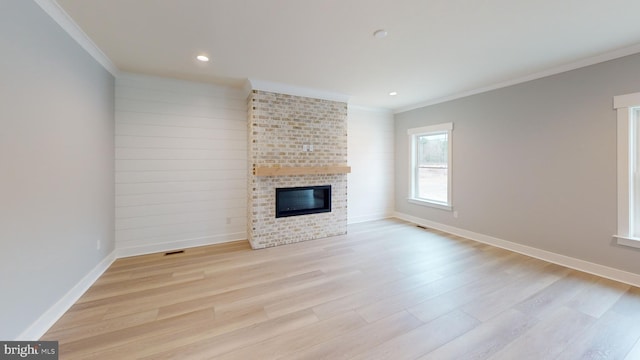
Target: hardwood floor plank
[485,339]
[208,347]
[140,284]
[299,339]
[323,285]
[386,290]
[611,337]
[197,331]
[77,316]
[214,291]
[360,340]
[423,339]
[557,294]
[103,327]
[634,353]
[122,338]
[454,299]
[514,293]
[416,296]
[629,303]
[548,338]
[373,294]
[598,297]
[309,297]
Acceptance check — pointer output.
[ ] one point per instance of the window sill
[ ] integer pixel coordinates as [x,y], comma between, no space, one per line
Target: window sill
[437,205]
[628,241]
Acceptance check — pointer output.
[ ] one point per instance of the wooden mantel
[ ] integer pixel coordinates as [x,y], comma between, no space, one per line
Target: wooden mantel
[300,170]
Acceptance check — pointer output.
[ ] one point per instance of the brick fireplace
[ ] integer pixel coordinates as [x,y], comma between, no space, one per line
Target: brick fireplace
[294,132]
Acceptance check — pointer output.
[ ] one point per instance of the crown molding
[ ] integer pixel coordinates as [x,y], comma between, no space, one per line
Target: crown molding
[612,55]
[296,90]
[53,9]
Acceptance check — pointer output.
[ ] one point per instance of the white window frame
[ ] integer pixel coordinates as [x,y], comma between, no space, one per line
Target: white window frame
[625,105]
[414,133]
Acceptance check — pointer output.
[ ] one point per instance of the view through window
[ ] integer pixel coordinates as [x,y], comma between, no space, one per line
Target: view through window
[433,166]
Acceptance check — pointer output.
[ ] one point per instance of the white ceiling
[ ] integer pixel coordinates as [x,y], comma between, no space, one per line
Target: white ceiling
[435,48]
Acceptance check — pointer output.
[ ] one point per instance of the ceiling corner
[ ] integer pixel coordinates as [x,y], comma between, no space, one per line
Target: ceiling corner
[53,9]
[287,89]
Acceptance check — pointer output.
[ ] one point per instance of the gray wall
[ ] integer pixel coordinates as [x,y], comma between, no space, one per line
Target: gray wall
[56,164]
[534,163]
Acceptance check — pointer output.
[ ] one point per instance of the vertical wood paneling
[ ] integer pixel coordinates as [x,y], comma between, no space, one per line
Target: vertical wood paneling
[180,164]
[371,157]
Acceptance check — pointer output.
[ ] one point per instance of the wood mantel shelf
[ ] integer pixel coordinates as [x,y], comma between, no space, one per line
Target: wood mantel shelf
[300,170]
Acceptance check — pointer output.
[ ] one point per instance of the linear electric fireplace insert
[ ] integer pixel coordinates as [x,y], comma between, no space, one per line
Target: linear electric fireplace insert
[303,200]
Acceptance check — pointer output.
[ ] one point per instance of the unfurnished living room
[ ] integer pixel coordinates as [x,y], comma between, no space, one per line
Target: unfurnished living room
[319,179]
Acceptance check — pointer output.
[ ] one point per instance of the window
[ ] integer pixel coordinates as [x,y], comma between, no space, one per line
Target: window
[430,166]
[628,108]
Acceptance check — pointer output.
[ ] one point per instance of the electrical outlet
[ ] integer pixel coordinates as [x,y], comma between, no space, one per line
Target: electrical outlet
[310,147]
[98,244]
[228,220]
[455,214]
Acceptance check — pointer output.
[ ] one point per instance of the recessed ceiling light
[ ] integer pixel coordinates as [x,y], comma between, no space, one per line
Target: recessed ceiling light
[202,58]
[393,93]
[379,34]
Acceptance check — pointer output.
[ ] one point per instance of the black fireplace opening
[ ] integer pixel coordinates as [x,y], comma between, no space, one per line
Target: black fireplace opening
[303,200]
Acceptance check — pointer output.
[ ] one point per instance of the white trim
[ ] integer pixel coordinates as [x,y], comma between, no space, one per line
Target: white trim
[371,217]
[176,245]
[433,204]
[566,261]
[48,318]
[38,328]
[626,101]
[53,9]
[297,90]
[431,129]
[553,71]
[623,135]
[626,163]
[628,241]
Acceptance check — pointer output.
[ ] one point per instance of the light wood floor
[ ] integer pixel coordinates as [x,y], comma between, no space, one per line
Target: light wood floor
[387,290]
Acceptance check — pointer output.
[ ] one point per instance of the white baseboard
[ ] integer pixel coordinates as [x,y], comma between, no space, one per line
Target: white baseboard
[369,217]
[46,320]
[136,250]
[570,262]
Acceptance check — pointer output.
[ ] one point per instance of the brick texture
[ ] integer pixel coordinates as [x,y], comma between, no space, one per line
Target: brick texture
[279,126]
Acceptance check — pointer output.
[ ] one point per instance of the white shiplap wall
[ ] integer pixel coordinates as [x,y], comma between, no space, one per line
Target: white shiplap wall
[181,164]
[371,157]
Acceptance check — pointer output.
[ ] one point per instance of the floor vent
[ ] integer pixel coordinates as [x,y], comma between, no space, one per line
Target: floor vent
[174,252]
